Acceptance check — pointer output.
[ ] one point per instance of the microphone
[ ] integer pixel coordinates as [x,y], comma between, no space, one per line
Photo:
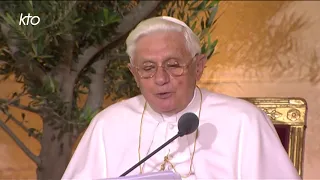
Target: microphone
[187,124]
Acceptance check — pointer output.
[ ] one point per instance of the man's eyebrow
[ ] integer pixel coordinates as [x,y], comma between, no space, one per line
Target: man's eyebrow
[147,61]
[167,58]
[172,56]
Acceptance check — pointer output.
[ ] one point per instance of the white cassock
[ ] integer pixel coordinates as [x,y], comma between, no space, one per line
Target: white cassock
[236,141]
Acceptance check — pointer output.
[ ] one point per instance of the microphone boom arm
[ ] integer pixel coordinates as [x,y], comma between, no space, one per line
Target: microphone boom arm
[179,134]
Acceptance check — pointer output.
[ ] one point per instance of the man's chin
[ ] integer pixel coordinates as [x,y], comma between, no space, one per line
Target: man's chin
[164,108]
[164,104]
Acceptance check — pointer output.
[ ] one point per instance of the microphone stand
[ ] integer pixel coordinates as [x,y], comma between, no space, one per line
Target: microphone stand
[151,154]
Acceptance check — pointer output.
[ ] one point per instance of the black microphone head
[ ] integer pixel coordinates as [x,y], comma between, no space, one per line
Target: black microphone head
[188,123]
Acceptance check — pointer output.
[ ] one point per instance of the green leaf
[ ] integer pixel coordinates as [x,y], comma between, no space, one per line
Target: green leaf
[23,115]
[77,20]
[30,6]
[14,95]
[45,56]
[8,118]
[31,131]
[202,24]
[34,48]
[211,48]
[8,18]
[193,3]
[212,15]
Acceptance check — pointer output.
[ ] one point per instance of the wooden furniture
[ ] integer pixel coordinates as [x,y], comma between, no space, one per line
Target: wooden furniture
[289,118]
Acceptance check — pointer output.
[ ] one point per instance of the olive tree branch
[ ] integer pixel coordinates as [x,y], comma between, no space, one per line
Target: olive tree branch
[15,103]
[137,14]
[24,148]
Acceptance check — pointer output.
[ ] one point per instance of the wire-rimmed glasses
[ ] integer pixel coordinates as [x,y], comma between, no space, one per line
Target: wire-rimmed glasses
[172,67]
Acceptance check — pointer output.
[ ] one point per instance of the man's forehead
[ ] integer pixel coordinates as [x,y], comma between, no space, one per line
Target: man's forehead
[160,58]
[162,34]
[160,48]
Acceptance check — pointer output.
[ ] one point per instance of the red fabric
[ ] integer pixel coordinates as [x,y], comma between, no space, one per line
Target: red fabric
[284,134]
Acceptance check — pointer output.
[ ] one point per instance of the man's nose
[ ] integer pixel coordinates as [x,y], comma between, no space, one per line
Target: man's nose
[161,77]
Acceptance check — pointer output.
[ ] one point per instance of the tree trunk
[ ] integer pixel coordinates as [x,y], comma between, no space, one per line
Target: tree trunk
[55,153]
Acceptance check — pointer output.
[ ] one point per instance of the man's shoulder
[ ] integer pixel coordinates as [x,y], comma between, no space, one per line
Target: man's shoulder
[130,103]
[232,110]
[233,105]
[123,109]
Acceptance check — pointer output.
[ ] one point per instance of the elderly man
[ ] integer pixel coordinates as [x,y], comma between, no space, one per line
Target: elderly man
[235,140]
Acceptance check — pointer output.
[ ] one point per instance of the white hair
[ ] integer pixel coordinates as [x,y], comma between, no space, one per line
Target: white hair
[163,23]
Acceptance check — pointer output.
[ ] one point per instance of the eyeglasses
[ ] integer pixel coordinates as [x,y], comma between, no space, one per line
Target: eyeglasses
[172,67]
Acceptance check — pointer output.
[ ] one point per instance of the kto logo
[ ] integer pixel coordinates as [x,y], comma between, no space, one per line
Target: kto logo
[25,20]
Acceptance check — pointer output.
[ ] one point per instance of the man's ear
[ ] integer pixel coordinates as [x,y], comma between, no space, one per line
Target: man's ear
[134,73]
[200,65]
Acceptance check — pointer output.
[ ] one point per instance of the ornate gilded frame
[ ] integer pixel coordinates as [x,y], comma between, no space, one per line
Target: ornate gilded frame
[291,112]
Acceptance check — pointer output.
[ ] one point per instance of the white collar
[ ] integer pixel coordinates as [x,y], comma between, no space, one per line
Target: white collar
[193,106]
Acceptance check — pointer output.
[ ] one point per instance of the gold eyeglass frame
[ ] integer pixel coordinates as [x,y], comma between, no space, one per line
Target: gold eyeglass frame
[184,68]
